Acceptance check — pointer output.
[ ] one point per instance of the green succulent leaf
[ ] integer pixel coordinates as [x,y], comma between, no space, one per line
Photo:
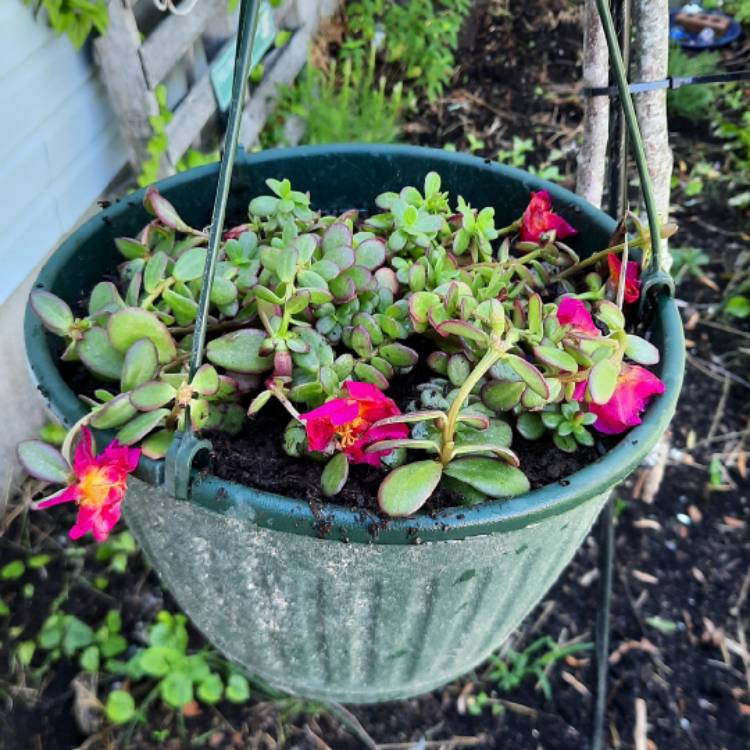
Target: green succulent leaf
[153,273]
[497,432]
[114,413]
[105,298]
[205,381]
[99,356]
[603,381]
[556,358]
[641,351]
[530,425]
[140,365]
[157,444]
[407,488]
[502,396]
[190,264]
[489,476]
[42,461]
[130,248]
[239,351]
[334,475]
[610,315]
[141,425]
[130,324]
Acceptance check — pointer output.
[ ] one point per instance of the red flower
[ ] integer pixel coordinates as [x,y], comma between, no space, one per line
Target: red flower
[574,313]
[632,282]
[346,423]
[100,486]
[539,219]
[635,387]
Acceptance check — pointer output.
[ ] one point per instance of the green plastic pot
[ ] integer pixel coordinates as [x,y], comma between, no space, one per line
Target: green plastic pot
[364,612]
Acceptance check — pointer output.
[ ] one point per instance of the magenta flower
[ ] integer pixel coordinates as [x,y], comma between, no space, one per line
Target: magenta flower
[632,282]
[574,313]
[539,219]
[101,482]
[345,424]
[635,388]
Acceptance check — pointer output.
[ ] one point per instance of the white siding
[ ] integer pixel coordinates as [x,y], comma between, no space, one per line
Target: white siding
[59,145]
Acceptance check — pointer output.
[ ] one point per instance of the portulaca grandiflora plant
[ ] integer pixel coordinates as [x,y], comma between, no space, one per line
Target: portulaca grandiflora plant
[323,313]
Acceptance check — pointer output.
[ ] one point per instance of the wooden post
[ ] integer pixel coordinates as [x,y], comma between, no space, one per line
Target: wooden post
[593,153]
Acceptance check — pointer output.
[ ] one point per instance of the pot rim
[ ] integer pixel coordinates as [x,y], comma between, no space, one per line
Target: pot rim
[335,522]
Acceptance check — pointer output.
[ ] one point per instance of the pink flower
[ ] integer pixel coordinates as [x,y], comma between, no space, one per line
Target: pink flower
[574,313]
[539,219]
[346,423]
[99,488]
[632,282]
[635,387]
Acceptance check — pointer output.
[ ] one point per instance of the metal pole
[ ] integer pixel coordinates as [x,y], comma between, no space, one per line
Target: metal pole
[617,202]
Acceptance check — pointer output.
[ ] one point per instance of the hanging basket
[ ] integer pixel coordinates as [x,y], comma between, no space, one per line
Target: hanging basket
[364,612]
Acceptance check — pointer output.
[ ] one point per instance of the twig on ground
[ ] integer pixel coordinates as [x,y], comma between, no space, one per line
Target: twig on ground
[735,611]
[640,733]
[719,415]
[449,744]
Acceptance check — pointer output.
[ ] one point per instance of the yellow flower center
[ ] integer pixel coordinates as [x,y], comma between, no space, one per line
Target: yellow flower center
[348,434]
[95,486]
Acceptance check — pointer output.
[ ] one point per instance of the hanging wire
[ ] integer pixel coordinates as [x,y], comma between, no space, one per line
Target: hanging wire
[183,10]
[186,445]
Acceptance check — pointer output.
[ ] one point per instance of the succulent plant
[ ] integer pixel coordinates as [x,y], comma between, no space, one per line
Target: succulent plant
[324,312]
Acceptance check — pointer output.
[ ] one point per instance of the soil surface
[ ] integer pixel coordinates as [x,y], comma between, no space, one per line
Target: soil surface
[681,604]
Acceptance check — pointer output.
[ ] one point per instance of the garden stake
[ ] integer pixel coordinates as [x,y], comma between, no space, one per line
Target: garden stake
[186,446]
[656,282]
[617,199]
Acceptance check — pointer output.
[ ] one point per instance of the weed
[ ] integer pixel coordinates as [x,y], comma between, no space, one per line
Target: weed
[696,103]
[689,261]
[343,104]
[513,667]
[426,57]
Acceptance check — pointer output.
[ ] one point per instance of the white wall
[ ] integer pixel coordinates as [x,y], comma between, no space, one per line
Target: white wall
[59,145]
[59,149]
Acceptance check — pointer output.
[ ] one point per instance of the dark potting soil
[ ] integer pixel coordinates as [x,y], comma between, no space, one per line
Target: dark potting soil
[256,458]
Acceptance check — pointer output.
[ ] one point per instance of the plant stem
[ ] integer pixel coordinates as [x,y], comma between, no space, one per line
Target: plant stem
[491,356]
[511,228]
[72,432]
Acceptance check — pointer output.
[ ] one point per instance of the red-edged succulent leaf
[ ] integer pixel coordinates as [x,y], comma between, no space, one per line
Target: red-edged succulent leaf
[114,413]
[463,330]
[140,365]
[42,461]
[97,353]
[130,324]
[529,374]
[557,358]
[55,314]
[157,205]
[152,395]
[240,351]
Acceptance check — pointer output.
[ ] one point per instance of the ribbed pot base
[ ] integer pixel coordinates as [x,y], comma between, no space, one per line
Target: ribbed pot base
[354,623]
